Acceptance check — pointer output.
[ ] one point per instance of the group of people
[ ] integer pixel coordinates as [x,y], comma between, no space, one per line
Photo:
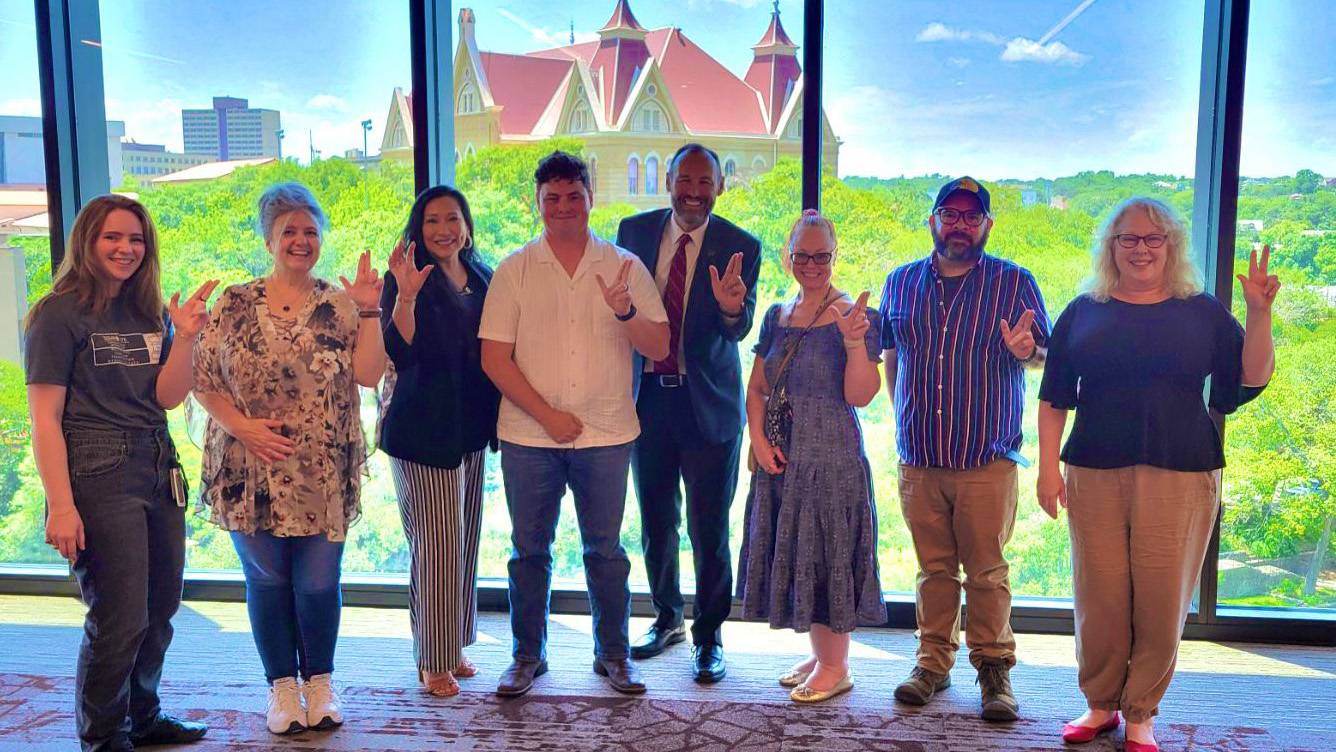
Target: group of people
[580,359]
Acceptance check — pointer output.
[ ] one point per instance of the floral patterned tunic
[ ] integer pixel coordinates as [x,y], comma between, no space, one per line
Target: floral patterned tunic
[298,371]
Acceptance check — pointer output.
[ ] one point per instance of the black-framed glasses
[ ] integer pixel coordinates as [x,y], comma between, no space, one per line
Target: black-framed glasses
[949,216]
[803,259]
[1129,241]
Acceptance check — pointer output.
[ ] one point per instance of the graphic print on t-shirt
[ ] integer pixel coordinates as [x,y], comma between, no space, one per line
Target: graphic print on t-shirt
[115,349]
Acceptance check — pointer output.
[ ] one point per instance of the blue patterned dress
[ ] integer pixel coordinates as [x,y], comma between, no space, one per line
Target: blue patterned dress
[809,548]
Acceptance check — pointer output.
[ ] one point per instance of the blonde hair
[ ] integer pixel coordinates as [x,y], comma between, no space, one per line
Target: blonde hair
[809,218]
[1180,276]
[78,273]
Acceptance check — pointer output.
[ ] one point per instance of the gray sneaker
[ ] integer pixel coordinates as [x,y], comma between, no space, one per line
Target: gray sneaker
[999,702]
[921,685]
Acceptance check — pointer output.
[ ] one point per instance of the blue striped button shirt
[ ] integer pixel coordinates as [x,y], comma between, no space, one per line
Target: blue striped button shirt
[959,393]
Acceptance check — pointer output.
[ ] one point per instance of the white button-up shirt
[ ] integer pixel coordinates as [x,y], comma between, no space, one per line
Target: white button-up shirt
[568,343]
[668,249]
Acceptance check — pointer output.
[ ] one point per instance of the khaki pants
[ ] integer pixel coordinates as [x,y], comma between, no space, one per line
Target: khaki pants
[1139,535]
[961,517]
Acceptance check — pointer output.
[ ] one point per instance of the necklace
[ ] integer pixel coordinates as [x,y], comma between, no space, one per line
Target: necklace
[287,307]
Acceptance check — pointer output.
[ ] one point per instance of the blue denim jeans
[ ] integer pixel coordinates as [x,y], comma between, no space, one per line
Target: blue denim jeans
[293,599]
[129,575]
[536,479]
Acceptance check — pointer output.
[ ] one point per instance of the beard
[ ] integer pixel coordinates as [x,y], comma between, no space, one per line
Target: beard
[959,246]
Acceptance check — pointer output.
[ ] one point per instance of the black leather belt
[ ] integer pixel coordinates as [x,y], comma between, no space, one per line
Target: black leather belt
[667,380]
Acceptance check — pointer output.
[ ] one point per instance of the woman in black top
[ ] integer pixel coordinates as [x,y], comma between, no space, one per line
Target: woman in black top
[104,360]
[1142,484]
[441,417]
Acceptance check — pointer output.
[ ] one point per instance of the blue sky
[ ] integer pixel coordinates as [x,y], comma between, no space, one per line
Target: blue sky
[996,88]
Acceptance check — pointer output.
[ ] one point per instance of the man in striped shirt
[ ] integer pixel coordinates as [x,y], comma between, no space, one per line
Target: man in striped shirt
[958,330]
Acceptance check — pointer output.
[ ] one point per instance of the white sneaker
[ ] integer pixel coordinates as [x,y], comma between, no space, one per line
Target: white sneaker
[322,703]
[285,714]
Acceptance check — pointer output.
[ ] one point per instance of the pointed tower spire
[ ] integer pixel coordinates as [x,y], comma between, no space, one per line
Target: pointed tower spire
[621,57]
[774,71]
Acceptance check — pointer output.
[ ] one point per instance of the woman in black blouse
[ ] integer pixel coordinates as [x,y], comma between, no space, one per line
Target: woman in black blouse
[1132,356]
[440,419]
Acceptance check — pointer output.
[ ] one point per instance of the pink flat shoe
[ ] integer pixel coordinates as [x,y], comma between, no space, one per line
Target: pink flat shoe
[1131,746]
[1073,734]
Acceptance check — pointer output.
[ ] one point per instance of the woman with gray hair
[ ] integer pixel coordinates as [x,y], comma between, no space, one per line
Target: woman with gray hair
[277,368]
[1132,356]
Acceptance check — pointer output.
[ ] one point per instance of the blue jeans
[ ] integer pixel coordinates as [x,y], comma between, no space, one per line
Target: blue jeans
[129,575]
[293,599]
[536,479]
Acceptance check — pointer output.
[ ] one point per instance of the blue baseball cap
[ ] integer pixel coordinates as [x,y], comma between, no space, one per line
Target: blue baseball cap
[968,185]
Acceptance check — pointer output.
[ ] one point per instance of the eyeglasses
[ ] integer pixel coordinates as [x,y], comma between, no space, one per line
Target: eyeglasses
[948,216]
[803,259]
[1129,241]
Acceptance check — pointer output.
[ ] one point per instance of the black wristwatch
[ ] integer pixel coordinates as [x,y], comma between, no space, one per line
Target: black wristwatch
[630,314]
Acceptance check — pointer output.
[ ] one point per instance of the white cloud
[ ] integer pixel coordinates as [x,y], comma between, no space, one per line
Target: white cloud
[149,121]
[21,106]
[959,62]
[939,32]
[1021,49]
[695,4]
[546,36]
[327,102]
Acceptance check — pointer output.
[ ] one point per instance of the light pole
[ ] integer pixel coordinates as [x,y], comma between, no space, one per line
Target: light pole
[366,129]
[279,134]
[366,188]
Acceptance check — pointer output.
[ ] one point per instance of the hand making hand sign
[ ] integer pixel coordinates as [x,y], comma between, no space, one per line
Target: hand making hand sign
[406,274]
[189,318]
[365,289]
[853,324]
[1020,339]
[1259,288]
[618,294]
[729,289]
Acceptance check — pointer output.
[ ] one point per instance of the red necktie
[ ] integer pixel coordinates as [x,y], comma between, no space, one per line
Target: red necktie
[674,301]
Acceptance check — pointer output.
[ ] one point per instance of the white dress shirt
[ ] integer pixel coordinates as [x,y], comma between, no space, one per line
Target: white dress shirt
[667,249]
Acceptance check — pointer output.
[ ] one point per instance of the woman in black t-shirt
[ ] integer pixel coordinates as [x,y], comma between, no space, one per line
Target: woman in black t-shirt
[439,421]
[1132,356]
[101,370]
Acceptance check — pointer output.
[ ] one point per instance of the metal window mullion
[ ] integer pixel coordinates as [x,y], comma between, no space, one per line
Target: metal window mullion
[813,31]
[433,92]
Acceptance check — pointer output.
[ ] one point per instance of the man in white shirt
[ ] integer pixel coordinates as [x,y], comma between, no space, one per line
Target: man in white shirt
[563,318]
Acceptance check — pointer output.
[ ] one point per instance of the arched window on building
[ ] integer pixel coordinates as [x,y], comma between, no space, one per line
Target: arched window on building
[633,175]
[582,119]
[651,176]
[468,100]
[649,118]
[730,172]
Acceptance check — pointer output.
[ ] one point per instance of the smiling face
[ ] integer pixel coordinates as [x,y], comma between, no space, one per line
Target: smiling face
[1139,267]
[444,231]
[565,206]
[958,241]
[694,183]
[119,248]
[812,240]
[295,244]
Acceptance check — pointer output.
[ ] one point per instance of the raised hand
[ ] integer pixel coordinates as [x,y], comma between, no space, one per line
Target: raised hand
[1019,339]
[1259,288]
[406,274]
[365,290]
[853,324]
[189,318]
[618,294]
[729,289]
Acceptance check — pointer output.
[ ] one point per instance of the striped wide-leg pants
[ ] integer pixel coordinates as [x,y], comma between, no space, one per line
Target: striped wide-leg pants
[442,515]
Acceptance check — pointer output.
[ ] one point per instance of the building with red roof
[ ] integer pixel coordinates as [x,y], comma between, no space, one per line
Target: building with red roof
[633,96]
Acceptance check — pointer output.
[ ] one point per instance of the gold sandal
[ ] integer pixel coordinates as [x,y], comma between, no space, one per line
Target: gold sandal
[804,693]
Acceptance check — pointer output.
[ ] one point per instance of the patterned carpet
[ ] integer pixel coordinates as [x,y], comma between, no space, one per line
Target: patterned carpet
[1227,698]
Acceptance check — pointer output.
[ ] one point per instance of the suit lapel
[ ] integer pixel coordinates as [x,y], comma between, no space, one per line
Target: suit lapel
[651,254]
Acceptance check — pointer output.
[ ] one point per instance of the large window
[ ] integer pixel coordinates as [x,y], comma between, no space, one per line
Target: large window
[25,274]
[235,108]
[1277,550]
[1061,113]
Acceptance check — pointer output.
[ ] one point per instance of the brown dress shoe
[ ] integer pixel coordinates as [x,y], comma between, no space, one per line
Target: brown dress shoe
[622,675]
[518,678]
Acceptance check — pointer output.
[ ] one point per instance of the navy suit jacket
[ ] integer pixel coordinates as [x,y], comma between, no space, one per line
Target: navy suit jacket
[709,341]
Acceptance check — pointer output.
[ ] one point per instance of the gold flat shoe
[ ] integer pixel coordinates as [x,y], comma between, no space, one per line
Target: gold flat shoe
[804,693]
[793,678]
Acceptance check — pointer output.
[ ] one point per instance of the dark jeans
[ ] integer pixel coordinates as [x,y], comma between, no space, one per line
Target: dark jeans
[293,600]
[670,453]
[536,479]
[129,574]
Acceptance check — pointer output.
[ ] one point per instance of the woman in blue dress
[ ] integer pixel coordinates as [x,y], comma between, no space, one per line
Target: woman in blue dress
[809,550]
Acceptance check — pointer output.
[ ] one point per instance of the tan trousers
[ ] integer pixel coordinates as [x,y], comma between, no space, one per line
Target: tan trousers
[1139,535]
[961,517]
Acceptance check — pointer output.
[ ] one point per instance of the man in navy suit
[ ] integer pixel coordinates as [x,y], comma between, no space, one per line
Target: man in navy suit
[690,404]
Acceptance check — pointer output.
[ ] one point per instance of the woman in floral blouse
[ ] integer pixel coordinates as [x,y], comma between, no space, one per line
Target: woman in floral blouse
[277,369]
